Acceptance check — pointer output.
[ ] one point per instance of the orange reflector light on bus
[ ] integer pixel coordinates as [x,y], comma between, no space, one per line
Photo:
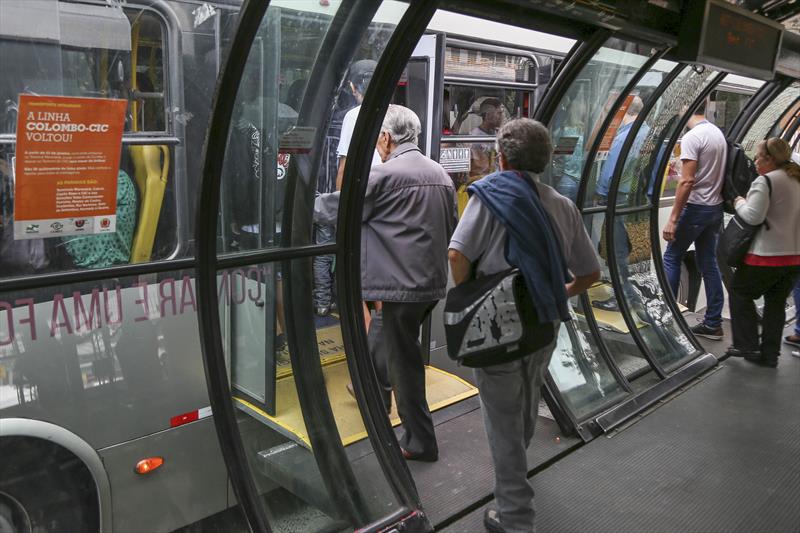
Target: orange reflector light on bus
[145,466]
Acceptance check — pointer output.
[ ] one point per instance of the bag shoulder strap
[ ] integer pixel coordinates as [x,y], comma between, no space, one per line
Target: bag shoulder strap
[769,186]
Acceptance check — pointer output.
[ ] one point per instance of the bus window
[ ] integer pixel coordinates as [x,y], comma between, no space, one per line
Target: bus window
[482,110]
[147,72]
[93,52]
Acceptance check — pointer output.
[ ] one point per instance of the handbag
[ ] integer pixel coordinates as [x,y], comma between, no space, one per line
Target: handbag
[492,320]
[736,238]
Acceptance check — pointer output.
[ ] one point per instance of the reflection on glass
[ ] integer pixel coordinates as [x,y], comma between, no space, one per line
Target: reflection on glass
[581,374]
[649,149]
[117,361]
[576,123]
[605,307]
[655,321]
[271,395]
[266,395]
[495,66]
[771,114]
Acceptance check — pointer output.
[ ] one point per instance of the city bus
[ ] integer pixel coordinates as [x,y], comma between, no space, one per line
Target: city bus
[105,419]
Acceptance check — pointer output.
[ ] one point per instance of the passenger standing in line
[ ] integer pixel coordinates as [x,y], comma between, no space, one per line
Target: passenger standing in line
[408,217]
[510,391]
[696,216]
[358,78]
[772,266]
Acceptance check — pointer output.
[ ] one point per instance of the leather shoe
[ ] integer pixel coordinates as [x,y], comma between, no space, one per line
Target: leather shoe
[760,360]
[609,304]
[424,457]
[736,352]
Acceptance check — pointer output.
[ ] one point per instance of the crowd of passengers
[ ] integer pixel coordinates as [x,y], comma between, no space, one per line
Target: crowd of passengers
[412,240]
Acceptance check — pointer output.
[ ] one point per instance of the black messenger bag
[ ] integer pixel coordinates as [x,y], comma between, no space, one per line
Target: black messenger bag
[491,320]
[735,240]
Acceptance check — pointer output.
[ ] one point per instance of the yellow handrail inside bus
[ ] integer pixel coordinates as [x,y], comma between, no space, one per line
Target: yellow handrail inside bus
[150,170]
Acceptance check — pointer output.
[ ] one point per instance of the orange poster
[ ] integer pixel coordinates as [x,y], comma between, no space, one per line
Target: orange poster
[67,161]
[611,132]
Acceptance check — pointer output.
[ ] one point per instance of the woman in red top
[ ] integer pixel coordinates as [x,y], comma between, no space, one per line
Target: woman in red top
[773,264]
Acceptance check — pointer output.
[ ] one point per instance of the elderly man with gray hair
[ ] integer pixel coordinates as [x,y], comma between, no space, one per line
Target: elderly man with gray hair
[509,216]
[408,217]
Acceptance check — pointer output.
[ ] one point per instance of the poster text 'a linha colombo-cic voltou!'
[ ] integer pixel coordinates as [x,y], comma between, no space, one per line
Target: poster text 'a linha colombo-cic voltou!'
[67,161]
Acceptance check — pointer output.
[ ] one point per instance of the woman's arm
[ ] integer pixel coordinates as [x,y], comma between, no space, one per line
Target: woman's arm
[753,210]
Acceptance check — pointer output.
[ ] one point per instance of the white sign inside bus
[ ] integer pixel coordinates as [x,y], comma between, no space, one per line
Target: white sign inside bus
[455,159]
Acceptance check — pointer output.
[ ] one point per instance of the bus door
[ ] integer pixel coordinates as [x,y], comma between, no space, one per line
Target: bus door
[250,220]
[478,87]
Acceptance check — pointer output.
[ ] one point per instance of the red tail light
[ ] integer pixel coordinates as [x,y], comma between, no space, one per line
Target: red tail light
[145,466]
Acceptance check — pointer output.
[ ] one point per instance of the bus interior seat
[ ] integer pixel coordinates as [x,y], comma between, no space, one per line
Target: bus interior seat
[151,169]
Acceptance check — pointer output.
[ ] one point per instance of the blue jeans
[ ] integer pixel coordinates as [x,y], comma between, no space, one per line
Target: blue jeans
[797,308]
[323,267]
[698,224]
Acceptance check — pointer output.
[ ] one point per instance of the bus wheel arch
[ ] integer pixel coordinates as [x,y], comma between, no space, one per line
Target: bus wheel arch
[72,468]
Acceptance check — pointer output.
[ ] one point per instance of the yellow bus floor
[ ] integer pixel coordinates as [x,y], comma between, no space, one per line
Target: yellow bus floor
[442,389]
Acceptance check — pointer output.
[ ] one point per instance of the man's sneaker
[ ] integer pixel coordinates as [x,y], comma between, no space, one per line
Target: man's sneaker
[792,340]
[491,521]
[323,310]
[701,330]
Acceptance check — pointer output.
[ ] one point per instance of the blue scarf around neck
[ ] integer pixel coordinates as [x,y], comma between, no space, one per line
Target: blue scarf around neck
[532,244]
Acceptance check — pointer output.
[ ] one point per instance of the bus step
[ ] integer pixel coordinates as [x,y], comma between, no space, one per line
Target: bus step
[294,468]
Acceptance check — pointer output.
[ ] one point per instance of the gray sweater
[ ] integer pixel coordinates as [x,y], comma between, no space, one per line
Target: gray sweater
[781,211]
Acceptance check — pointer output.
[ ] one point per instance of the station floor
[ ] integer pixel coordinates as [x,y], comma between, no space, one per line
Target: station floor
[721,455]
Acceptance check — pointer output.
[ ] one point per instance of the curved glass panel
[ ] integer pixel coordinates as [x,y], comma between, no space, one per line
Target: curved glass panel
[304,434]
[605,307]
[767,119]
[614,138]
[265,151]
[633,248]
[581,374]
[275,426]
[648,148]
[583,377]
[655,321]
[585,104]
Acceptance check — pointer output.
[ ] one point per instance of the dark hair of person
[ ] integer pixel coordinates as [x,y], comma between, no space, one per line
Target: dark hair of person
[525,145]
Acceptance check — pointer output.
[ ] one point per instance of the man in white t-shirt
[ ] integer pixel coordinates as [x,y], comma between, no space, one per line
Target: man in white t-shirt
[697,214]
[359,77]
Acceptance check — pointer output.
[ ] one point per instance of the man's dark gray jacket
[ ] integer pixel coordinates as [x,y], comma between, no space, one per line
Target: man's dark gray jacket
[408,218]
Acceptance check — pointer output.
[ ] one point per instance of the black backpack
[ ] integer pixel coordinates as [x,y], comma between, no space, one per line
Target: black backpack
[740,171]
